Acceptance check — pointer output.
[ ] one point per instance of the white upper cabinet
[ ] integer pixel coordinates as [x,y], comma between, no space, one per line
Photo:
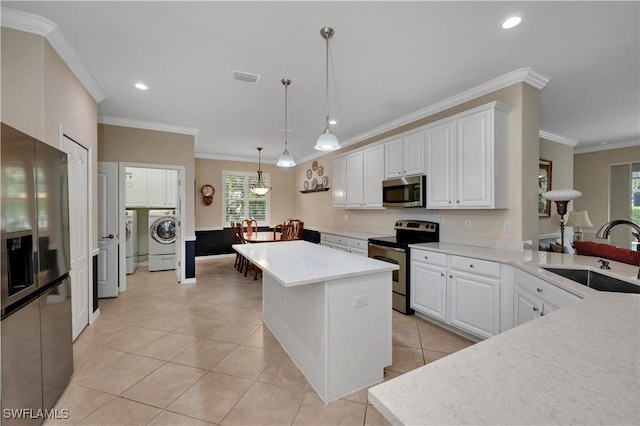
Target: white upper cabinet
[136,187]
[147,187]
[467,159]
[373,176]
[404,156]
[355,180]
[340,182]
[440,149]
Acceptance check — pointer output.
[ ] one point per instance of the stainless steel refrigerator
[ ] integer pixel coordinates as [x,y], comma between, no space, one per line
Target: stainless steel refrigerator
[35,324]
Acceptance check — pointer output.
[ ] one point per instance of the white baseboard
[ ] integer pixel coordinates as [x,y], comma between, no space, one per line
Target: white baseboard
[214,256]
[188,281]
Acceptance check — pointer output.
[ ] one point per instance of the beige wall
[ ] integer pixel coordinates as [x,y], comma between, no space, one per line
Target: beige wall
[126,144]
[591,177]
[40,93]
[561,157]
[210,172]
[316,208]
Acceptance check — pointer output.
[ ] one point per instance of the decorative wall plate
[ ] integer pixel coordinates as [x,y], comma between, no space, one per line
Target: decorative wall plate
[309,173]
[314,183]
[325,181]
[320,171]
[306,185]
[314,165]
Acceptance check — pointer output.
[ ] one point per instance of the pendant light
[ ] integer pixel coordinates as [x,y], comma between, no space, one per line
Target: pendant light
[286,159]
[260,188]
[327,140]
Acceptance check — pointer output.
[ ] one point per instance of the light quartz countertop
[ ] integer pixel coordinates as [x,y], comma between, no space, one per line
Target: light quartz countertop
[577,365]
[299,262]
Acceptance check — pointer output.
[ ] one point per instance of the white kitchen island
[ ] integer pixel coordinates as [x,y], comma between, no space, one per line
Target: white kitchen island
[330,310]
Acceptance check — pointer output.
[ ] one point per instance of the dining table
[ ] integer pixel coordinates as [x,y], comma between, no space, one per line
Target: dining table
[261,237]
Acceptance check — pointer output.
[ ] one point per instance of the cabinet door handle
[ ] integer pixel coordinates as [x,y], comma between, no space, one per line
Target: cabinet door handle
[450,276]
[535,309]
[542,313]
[449,201]
[458,201]
[471,265]
[539,290]
[441,274]
[426,257]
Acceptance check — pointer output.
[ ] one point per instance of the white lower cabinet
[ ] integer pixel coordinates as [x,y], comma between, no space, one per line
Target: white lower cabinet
[474,303]
[429,296]
[460,291]
[343,243]
[534,297]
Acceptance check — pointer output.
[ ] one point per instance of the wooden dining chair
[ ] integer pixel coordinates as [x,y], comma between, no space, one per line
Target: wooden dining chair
[238,238]
[298,227]
[250,227]
[286,232]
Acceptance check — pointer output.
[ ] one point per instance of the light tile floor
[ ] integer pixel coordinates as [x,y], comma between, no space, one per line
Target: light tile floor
[170,354]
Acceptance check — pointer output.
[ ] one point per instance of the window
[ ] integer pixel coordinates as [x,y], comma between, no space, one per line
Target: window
[239,202]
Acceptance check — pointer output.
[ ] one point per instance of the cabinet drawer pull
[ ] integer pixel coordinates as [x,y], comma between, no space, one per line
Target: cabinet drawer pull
[535,309]
[450,276]
[441,274]
[542,314]
[449,201]
[426,257]
[539,290]
[458,201]
[471,265]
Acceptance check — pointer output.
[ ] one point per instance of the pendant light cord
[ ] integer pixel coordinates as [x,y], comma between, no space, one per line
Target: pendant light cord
[286,129]
[327,78]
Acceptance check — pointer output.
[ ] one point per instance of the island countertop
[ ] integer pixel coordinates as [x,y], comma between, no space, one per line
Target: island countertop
[577,365]
[299,262]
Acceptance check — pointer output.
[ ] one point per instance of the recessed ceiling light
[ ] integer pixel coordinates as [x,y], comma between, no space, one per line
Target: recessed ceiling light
[333,122]
[141,86]
[511,21]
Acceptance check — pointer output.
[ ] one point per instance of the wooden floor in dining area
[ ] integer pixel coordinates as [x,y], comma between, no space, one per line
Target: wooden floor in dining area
[169,354]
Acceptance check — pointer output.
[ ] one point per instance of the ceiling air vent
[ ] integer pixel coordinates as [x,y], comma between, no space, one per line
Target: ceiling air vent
[246,76]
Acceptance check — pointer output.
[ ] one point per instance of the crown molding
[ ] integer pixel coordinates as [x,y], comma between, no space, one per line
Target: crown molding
[228,158]
[557,138]
[147,125]
[34,24]
[606,146]
[522,75]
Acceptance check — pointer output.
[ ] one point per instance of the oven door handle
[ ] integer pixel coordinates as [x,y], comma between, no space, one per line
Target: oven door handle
[388,248]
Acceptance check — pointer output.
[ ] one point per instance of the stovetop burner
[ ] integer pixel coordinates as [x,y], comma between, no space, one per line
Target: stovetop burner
[410,232]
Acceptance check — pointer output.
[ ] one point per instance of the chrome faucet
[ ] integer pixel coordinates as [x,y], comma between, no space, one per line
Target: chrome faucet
[606,230]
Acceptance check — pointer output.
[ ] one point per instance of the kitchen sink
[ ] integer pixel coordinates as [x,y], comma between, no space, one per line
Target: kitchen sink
[595,280]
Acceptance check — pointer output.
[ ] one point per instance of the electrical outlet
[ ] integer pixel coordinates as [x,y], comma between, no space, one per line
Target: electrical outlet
[467,224]
[506,226]
[360,301]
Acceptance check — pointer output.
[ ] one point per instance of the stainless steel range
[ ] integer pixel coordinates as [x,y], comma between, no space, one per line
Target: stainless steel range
[396,250]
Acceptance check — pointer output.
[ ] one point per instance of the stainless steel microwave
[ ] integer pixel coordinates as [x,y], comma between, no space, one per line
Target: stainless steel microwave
[405,192]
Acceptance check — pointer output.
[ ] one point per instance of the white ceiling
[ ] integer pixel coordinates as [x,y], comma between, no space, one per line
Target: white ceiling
[388,59]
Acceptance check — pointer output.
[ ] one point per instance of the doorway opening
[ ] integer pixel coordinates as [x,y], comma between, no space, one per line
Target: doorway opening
[152,214]
[624,202]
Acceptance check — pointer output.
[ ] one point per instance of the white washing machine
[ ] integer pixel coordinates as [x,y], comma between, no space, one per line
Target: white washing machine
[131,225]
[162,240]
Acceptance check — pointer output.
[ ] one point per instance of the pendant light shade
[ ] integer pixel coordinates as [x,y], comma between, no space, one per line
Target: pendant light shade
[260,188]
[327,140]
[286,159]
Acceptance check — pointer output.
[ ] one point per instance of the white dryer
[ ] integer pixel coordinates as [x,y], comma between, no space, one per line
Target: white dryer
[131,225]
[162,240]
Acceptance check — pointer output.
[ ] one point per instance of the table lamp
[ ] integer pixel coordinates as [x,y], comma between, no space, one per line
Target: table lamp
[579,219]
[562,197]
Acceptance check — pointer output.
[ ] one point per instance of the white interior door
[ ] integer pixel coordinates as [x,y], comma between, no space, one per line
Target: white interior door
[78,167]
[108,242]
[178,245]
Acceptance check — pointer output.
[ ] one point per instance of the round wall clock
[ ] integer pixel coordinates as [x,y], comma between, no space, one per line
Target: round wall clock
[314,165]
[325,181]
[309,173]
[306,185]
[320,171]
[207,192]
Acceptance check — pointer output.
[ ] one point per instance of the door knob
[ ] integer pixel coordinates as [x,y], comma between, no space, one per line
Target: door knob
[110,237]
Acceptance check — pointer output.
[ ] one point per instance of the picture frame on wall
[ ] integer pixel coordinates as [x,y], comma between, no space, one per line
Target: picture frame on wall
[544,185]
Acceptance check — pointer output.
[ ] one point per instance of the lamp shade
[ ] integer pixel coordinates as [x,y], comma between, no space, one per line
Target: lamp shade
[327,141]
[562,194]
[579,219]
[286,160]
